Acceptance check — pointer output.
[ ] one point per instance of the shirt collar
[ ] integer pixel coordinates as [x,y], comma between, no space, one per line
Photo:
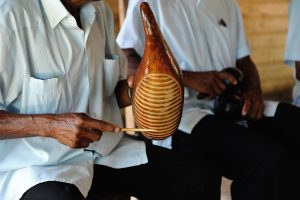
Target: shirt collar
[55,11]
[87,13]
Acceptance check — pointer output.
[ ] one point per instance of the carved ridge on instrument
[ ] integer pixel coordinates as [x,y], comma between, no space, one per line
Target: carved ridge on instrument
[160,109]
[153,102]
[160,120]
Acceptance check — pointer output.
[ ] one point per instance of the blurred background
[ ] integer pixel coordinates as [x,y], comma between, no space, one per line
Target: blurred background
[266,23]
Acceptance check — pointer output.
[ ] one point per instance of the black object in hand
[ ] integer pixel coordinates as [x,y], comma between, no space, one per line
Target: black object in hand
[229,105]
[238,75]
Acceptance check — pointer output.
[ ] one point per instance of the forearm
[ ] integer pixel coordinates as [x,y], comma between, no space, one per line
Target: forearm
[195,80]
[189,77]
[188,82]
[251,76]
[186,78]
[20,126]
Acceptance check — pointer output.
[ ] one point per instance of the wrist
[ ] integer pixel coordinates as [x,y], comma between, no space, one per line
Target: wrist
[43,124]
[187,78]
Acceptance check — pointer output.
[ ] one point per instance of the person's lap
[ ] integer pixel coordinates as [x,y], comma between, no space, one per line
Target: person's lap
[237,151]
[256,155]
[53,190]
[167,175]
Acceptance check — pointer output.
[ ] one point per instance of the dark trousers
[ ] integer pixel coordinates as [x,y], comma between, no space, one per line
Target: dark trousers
[258,159]
[168,175]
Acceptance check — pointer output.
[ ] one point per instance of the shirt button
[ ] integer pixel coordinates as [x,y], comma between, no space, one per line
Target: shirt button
[71,21]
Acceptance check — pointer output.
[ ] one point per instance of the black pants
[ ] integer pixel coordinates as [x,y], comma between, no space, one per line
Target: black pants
[258,159]
[168,175]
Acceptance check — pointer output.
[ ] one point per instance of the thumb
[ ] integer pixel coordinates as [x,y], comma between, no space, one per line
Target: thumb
[130,80]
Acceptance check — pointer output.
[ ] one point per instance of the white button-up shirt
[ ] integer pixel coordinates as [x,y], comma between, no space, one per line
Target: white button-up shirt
[49,65]
[292,50]
[204,35]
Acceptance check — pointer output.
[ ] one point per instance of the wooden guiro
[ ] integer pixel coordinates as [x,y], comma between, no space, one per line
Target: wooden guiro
[158,89]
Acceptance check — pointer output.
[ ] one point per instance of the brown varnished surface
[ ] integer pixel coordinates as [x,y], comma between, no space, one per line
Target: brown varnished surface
[157,57]
[158,89]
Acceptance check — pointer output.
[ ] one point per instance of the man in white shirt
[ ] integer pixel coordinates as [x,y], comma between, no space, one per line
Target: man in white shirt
[206,37]
[292,58]
[61,74]
[292,51]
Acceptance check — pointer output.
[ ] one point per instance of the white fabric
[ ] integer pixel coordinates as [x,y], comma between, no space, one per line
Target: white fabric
[292,50]
[49,65]
[167,143]
[199,43]
[296,93]
[270,108]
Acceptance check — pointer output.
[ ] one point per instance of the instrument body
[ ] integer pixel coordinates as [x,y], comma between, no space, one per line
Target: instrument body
[158,89]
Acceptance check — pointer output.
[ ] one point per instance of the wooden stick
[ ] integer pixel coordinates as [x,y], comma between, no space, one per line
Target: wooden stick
[137,129]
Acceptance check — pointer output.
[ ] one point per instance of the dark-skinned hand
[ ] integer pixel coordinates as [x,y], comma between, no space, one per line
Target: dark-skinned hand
[209,84]
[77,130]
[253,107]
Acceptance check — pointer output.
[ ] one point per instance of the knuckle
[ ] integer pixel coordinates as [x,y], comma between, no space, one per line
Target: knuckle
[77,132]
[75,140]
[81,117]
[98,136]
[85,145]
[73,145]
[77,144]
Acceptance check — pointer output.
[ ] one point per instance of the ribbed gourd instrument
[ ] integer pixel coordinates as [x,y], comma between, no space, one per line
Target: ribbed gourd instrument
[158,89]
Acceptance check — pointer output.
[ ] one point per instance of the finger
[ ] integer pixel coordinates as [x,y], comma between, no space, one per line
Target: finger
[215,88]
[229,77]
[246,107]
[258,109]
[90,135]
[261,111]
[101,125]
[79,145]
[255,110]
[216,91]
[84,145]
[211,94]
[99,133]
[130,80]
[221,87]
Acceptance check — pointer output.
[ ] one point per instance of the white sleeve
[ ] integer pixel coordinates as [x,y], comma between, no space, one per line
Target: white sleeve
[131,34]
[4,62]
[292,50]
[243,47]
